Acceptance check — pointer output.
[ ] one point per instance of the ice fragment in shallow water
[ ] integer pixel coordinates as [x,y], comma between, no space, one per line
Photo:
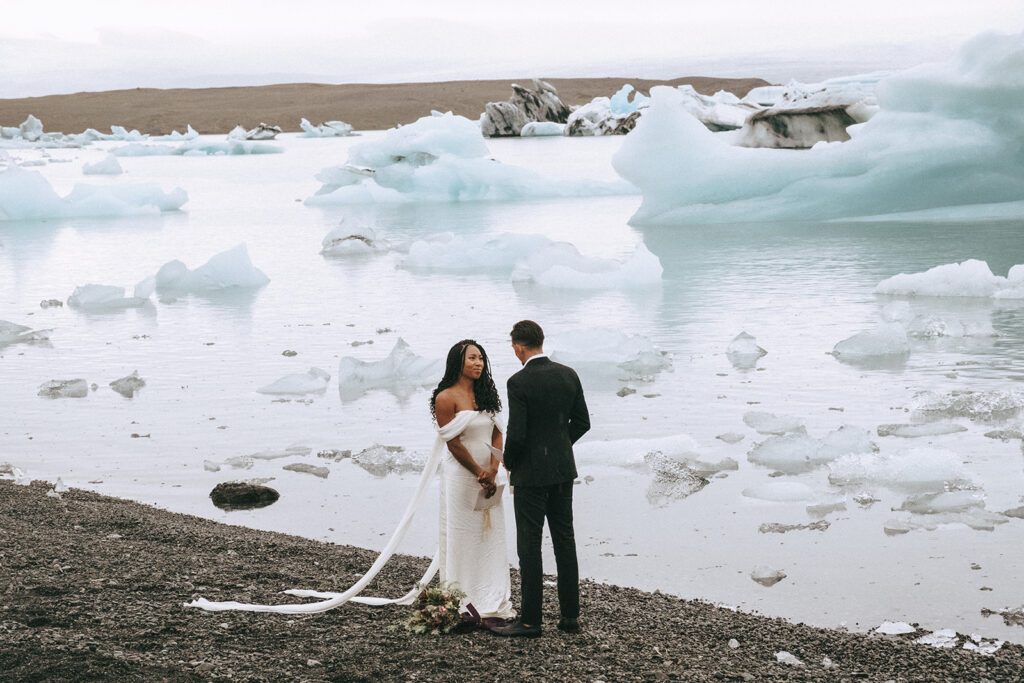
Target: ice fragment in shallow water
[913,470]
[888,339]
[381,460]
[970,278]
[107,166]
[344,241]
[910,431]
[313,381]
[95,298]
[401,373]
[769,423]
[780,492]
[743,351]
[766,576]
[127,386]
[64,388]
[946,501]
[11,333]
[980,405]
[227,270]
[606,351]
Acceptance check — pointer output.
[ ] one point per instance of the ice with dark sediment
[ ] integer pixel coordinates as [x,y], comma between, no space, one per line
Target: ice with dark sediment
[345,241]
[991,405]
[64,388]
[796,453]
[27,195]
[767,576]
[934,122]
[128,385]
[607,351]
[313,381]
[228,270]
[402,372]
[441,158]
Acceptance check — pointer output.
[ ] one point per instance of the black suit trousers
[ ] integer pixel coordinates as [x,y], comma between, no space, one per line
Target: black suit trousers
[532,505]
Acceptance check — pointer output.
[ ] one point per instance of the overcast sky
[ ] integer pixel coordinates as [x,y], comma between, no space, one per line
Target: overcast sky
[81,45]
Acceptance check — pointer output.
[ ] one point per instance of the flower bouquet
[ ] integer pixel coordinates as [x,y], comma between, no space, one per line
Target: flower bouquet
[436,610]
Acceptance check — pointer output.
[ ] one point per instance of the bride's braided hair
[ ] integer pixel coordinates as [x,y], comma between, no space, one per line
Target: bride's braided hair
[484,391]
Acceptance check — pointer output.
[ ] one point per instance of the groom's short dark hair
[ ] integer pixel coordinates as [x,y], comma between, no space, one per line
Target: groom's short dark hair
[528,333]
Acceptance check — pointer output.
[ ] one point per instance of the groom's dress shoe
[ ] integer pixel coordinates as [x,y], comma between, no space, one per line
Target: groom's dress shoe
[569,625]
[517,629]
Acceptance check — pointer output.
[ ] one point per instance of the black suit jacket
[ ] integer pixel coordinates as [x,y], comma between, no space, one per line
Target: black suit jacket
[547,414]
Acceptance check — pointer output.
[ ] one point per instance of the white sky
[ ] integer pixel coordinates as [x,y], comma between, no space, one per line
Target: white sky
[76,45]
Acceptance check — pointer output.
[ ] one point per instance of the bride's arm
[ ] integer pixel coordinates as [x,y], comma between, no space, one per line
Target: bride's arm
[496,441]
[444,408]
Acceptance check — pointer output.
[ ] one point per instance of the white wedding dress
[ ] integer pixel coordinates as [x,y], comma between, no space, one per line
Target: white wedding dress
[471,547]
[471,550]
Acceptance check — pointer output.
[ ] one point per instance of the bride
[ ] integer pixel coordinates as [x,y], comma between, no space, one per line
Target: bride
[471,551]
[471,548]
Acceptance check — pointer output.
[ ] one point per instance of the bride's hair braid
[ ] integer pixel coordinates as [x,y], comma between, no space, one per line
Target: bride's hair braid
[484,391]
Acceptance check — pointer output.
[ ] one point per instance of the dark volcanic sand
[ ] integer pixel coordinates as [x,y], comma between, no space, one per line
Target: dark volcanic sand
[93,589]
[366,106]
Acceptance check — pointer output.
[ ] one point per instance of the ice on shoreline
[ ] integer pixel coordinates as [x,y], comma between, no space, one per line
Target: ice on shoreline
[27,195]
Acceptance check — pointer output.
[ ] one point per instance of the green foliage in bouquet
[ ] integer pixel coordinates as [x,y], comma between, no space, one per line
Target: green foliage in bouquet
[436,610]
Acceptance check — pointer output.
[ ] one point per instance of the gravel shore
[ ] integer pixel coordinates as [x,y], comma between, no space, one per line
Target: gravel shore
[93,588]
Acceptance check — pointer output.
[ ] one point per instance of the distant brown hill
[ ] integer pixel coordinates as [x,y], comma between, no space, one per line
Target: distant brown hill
[366,106]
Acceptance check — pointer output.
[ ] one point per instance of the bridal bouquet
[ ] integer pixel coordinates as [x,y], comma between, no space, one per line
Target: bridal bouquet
[436,610]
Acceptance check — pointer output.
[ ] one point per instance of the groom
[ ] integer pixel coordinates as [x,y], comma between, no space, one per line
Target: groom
[546,415]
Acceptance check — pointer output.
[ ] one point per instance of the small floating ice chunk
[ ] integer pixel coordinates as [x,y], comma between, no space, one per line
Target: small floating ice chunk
[64,388]
[402,373]
[887,340]
[381,460]
[730,437]
[743,351]
[946,501]
[895,628]
[95,298]
[491,254]
[327,129]
[306,468]
[609,351]
[227,270]
[911,431]
[796,453]
[11,333]
[344,241]
[913,470]
[107,166]
[970,278]
[534,129]
[127,386]
[766,576]
[781,492]
[313,381]
[769,423]
[561,266]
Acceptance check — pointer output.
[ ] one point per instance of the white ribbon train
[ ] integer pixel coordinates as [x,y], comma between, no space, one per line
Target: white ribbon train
[332,600]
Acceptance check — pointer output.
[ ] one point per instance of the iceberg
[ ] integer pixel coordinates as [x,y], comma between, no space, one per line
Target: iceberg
[917,470]
[260,132]
[401,373]
[440,158]
[313,381]
[602,351]
[327,129]
[526,106]
[597,118]
[231,269]
[971,278]
[27,195]
[107,166]
[942,137]
[797,453]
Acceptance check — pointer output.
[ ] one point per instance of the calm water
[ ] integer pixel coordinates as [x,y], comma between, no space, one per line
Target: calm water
[798,288]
